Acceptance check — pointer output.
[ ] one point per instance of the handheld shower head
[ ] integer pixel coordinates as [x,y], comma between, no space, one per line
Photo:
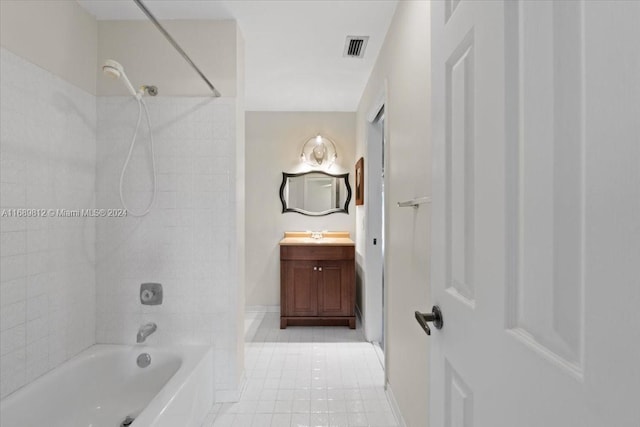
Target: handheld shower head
[115,70]
[112,69]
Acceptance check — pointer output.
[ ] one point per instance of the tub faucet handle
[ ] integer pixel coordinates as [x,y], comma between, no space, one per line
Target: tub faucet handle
[151,293]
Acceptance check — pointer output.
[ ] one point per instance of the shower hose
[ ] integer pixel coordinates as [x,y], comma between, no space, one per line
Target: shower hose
[141,105]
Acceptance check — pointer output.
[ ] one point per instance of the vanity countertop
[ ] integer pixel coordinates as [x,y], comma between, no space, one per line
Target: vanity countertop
[330,238]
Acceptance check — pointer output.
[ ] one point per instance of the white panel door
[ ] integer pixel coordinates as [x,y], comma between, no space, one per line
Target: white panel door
[536,213]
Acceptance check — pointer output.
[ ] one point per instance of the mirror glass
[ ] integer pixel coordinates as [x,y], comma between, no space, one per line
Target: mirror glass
[315,193]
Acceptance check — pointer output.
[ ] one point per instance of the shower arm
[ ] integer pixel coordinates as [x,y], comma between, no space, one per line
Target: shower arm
[176,46]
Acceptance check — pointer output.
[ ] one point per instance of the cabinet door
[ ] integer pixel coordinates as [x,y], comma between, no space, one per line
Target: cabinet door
[300,286]
[334,288]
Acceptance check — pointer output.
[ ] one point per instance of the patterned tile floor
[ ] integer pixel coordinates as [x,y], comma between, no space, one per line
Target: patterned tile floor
[307,376]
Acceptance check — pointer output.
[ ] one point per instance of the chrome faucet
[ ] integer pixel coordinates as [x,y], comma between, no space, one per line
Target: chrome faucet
[145,331]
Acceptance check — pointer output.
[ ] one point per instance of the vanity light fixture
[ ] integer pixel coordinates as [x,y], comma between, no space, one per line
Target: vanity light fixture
[319,151]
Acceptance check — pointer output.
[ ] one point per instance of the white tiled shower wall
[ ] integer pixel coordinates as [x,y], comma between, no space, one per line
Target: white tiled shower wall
[67,283]
[187,242]
[47,275]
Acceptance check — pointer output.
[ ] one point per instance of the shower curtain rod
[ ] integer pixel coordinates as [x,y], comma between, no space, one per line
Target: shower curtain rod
[176,46]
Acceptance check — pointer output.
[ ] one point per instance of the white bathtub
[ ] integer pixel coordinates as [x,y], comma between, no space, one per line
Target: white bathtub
[103,385]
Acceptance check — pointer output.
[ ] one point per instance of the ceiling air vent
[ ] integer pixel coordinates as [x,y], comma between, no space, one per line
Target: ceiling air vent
[355,45]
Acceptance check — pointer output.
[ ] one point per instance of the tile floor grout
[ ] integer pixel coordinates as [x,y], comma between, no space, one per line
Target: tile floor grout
[307,377]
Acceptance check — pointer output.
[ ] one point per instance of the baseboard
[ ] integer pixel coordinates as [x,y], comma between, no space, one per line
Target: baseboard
[262,309]
[379,353]
[394,406]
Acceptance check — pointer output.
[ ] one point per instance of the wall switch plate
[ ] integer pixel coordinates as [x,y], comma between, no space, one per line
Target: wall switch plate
[151,293]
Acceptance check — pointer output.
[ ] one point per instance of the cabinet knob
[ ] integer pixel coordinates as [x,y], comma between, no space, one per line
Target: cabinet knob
[315,268]
[320,269]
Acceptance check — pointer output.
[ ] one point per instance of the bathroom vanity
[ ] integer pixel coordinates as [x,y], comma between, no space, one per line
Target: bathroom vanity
[317,279]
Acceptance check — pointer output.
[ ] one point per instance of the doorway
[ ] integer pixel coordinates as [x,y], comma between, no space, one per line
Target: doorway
[374,220]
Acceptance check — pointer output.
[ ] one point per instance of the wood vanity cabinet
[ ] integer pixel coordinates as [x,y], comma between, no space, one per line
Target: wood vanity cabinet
[317,285]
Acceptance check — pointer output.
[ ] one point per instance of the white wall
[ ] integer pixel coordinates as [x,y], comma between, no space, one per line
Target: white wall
[187,242]
[47,275]
[273,144]
[47,144]
[59,36]
[404,64]
[193,240]
[148,58]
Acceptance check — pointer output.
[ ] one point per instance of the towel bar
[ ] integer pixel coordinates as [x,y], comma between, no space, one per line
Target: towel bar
[414,202]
